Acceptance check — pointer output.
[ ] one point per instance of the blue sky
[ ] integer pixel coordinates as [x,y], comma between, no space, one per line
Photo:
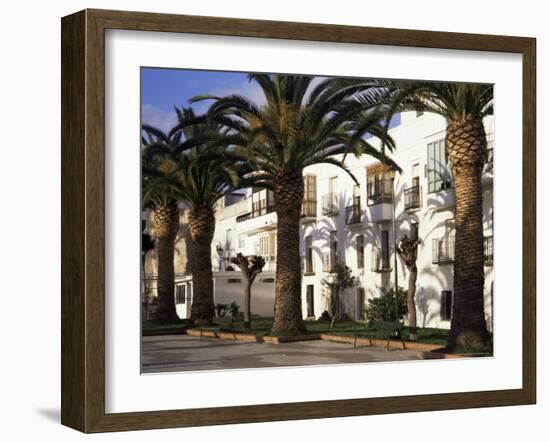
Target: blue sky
[162,89]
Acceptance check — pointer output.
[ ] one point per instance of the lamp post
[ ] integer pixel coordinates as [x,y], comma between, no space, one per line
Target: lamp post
[219,251]
[394,229]
[396,281]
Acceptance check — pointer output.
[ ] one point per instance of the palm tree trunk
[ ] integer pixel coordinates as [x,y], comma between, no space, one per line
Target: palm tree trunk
[288,195]
[247,302]
[201,229]
[467,146]
[166,229]
[411,306]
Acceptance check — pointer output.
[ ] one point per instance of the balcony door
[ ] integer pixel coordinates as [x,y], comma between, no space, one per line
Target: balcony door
[333,185]
[310,301]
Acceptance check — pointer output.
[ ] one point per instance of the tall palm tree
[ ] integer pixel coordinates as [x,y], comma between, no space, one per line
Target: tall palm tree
[193,153]
[301,124]
[464,106]
[161,193]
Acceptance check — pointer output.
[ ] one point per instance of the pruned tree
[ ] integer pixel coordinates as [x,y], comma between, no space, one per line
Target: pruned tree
[250,267]
[339,279]
[408,251]
[147,244]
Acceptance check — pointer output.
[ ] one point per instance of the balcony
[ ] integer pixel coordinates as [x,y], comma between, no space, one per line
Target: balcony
[329,204]
[309,210]
[443,250]
[380,260]
[379,192]
[236,209]
[330,259]
[258,209]
[379,200]
[412,198]
[353,214]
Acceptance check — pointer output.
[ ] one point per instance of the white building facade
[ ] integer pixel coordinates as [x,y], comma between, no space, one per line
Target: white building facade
[343,222]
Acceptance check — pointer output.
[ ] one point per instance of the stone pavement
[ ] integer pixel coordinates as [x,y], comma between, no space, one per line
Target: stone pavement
[186,353]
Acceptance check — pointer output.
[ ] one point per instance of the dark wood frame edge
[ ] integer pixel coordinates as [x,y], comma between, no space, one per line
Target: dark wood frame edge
[83,238]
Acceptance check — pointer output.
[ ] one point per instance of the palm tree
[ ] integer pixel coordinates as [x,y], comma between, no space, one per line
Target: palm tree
[301,124]
[193,153]
[464,106]
[160,192]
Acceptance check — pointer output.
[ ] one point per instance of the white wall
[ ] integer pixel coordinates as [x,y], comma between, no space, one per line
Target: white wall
[30,91]
[412,137]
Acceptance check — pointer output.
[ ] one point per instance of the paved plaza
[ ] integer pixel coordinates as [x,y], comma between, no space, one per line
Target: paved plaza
[186,353]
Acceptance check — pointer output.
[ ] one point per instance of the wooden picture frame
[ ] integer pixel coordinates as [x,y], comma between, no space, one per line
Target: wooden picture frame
[83,216]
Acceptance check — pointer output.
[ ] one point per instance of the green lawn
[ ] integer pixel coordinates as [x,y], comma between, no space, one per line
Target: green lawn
[262,326]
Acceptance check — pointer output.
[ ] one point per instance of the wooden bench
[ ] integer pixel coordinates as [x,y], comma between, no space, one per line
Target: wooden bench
[213,329]
[388,329]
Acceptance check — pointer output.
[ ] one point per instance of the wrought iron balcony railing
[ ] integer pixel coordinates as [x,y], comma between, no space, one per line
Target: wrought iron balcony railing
[412,197]
[309,209]
[353,214]
[443,250]
[258,209]
[380,191]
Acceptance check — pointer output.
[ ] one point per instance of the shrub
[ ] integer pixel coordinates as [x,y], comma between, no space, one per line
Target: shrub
[325,316]
[383,307]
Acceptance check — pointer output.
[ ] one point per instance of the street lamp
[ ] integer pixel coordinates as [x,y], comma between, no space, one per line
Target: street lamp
[387,179]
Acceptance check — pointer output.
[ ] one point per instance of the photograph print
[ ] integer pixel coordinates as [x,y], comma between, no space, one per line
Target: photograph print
[301,220]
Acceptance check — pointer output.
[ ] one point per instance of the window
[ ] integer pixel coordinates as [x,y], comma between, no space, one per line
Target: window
[241,242]
[272,246]
[361,303]
[360,245]
[263,246]
[414,230]
[310,188]
[439,176]
[228,239]
[180,294]
[446,304]
[234,280]
[309,206]
[333,185]
[333,249]
[356,196]
[310,301]
[262,202]
[379,184]
[267,247]
[309,254]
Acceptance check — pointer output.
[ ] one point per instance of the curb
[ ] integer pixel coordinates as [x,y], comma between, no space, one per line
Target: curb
[425,351]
